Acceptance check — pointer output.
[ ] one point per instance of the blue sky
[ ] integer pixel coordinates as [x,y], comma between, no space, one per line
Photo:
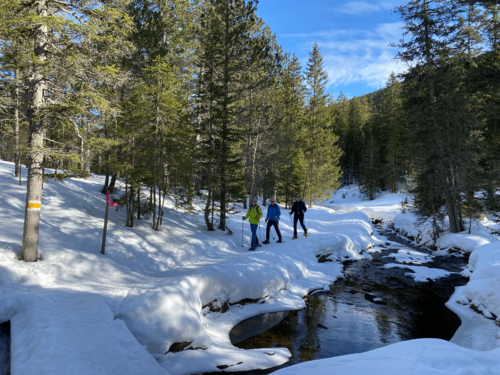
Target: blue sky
[354,38]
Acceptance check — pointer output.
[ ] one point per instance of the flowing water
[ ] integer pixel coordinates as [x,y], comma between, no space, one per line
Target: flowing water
[5,348]
[346,321]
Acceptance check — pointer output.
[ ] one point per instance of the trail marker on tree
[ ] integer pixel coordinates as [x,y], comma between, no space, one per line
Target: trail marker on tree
[112,204]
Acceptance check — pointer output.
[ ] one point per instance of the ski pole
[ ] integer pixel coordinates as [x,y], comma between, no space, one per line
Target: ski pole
[272,232]
[241,232]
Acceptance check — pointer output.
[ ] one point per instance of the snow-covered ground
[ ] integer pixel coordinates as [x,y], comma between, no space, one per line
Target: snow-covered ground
[386,206]
[423,356]
[408,225]
[77,311]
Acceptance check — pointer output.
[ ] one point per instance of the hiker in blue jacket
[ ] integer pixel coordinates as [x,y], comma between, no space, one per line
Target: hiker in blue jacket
[272,219]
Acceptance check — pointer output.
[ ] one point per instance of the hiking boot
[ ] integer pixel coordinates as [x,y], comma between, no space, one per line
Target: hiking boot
[251,249]
[265,242]
[280,241]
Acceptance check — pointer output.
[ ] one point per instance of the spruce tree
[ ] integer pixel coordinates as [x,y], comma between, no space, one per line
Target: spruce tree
[63,35]
[228,50]
[320,143]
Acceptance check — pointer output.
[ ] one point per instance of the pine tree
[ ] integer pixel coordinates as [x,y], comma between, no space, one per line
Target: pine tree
[370,174]
[63,34]
[321,150]
[440,133]
[228,50]
[287,139]
[394,129]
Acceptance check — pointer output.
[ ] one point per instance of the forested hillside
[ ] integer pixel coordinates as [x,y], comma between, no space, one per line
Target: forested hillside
[173,99]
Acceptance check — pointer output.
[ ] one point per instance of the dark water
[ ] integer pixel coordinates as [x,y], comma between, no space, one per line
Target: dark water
[344,321]
[5,348]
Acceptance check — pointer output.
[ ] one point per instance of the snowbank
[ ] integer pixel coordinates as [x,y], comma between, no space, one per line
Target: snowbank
[407,224]
[77,311]
[425,356]
[483,289]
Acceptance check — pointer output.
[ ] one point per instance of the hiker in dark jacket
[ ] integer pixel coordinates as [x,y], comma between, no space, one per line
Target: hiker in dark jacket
[298,209]
[272,219]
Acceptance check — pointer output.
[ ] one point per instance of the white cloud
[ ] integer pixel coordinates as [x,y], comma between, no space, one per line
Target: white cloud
[356,56]
[363,7]
[358,7]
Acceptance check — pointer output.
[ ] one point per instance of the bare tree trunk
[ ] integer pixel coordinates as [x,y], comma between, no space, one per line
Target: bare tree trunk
[87,155]
[17,156]
[29,250]
[162,211]
[225,126]
[139,202]
[127,203]
[452,214]
[112,184]
[132,205]
[209,225]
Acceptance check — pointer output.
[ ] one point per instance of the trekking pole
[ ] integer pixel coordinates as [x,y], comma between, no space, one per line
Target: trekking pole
[272,226]
[241,232]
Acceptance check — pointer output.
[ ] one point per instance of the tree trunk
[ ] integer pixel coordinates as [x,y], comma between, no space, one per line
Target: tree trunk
[209,225]
[17,156]
[139,202]
[452,212]
[29,250]
[87,156]
[113,182]
[106,181]
[225,127]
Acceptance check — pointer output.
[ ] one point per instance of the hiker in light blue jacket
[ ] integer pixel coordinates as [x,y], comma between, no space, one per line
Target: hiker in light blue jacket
[272,219]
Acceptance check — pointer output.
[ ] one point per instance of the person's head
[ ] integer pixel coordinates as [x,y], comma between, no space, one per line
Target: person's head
[254,201]
[297,197]
[273,201]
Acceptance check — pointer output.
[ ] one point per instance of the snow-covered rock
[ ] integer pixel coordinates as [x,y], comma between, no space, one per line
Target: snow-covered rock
[420,273]
[410,256]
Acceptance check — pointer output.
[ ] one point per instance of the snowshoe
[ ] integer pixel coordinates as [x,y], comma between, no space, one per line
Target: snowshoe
[295,238]
[306,235]
[280,241]
[266,242]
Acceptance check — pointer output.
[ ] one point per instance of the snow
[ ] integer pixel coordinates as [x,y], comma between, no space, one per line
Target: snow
[420,273]
[410,256]
[386,206]
[476,332]
[407,224]
[423,356]
[483,289]
[77,311]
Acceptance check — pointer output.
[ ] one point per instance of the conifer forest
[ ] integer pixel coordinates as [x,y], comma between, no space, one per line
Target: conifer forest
[177,99]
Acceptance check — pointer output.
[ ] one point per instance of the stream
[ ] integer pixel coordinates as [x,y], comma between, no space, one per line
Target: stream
[346,320]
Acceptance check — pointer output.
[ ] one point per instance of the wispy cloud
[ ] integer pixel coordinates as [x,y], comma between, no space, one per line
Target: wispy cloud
[364,7]
[358,7]
[354,55]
